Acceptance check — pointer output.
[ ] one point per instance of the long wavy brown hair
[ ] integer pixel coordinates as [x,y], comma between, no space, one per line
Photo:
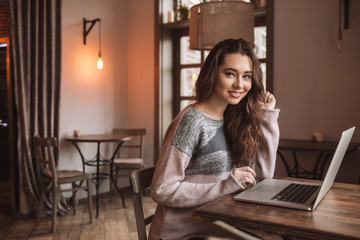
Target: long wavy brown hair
[242,121]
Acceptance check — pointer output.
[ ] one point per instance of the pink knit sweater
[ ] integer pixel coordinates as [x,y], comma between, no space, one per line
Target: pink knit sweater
[195,168]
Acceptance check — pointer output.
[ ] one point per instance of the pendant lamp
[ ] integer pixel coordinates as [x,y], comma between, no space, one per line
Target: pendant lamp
[212,22]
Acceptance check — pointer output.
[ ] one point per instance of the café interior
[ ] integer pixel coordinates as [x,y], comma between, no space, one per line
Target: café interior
[310,56]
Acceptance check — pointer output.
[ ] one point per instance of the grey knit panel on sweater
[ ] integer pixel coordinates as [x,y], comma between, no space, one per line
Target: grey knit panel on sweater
[203,139]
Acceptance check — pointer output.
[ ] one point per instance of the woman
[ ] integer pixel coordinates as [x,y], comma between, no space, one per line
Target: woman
[217,145]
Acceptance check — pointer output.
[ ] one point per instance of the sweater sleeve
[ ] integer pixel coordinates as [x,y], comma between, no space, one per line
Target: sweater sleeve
[266,156]
[169,188]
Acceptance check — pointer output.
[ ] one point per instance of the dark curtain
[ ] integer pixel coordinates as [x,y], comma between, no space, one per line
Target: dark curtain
[35,42]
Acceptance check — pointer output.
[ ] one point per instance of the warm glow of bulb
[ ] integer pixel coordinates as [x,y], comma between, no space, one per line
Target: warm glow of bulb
[99,63]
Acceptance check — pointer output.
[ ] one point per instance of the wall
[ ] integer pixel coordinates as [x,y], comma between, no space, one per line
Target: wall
[122,93]
[141,66]
[316,87]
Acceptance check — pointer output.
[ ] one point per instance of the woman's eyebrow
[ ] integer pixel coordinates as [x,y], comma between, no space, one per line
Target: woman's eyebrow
[233,69]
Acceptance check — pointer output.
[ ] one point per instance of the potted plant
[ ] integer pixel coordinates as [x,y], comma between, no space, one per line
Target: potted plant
[183,12]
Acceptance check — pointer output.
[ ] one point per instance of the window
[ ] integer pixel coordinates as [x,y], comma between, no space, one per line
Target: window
[260,42]
[190,64]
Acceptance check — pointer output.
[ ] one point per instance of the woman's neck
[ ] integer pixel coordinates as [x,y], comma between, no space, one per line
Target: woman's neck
[213,111]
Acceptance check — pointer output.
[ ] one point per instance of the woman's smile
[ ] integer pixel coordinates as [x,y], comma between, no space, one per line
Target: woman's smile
[235,94]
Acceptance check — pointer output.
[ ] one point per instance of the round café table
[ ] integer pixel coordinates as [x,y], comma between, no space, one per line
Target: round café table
[99,160]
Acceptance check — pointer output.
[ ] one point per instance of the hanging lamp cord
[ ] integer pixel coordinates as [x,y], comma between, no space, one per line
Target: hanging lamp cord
[339,31]
[100,38]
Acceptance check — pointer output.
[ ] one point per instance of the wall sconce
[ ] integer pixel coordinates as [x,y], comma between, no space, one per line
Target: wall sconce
[87,31]
[212,22]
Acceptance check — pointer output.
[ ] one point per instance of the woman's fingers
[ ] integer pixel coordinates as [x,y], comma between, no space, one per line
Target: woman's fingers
[269,101]
[245,174]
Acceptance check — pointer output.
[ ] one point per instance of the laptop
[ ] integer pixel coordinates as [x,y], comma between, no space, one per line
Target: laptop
[297,194]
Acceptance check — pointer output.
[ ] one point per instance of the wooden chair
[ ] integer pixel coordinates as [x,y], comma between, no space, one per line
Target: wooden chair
[135,149]
[52,179]
[140,181]
[221,231]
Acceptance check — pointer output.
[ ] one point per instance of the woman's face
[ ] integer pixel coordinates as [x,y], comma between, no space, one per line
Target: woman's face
[233,79]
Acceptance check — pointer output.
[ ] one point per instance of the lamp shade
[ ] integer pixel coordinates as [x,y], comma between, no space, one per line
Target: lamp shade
[212,22]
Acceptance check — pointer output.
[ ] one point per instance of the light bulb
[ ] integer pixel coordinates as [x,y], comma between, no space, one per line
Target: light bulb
[99,62]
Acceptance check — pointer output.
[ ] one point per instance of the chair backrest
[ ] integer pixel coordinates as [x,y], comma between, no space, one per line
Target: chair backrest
[137,142]
[44,147]
[221,230]
[141,180]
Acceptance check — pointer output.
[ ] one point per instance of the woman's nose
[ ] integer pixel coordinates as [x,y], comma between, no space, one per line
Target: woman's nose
[238,83]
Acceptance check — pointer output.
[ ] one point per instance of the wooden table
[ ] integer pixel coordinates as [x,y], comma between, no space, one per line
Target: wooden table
[336,217]
[324,150]
[98,160]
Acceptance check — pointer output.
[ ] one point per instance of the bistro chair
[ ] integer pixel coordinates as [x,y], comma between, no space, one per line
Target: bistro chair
[52,179]
[123,164]
[141,181]
[221,230]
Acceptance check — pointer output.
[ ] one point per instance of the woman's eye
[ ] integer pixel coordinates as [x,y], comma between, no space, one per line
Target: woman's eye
[247,76]
[230,74]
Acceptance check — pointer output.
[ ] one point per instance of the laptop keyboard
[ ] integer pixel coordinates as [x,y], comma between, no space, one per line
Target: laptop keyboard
[297,193]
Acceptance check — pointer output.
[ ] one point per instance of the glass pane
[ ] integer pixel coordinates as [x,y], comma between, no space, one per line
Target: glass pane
[188,3]
[188,77]
[260,41]
[184,103]
[206,53]
[188,56]
[263,68]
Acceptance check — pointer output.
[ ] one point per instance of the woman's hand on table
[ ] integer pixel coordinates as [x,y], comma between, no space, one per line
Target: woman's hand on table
[245,175]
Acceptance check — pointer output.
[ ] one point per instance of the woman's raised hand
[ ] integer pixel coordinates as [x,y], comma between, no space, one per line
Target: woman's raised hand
[269,101]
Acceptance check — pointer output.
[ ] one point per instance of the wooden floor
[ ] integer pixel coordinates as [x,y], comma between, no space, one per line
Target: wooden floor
[114,222]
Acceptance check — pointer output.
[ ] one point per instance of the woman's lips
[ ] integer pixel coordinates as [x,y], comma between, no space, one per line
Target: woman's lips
[235,94]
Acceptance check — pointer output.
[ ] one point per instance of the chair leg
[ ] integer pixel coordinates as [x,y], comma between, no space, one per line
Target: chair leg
[74,197]
[110,189]
[89,199]
[54,210]
[41,202]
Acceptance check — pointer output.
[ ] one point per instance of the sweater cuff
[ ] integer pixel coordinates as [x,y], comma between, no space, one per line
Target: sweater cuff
[237,185]
[272,114]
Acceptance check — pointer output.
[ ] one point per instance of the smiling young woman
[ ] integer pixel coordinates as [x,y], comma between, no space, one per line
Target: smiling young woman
[217,145]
